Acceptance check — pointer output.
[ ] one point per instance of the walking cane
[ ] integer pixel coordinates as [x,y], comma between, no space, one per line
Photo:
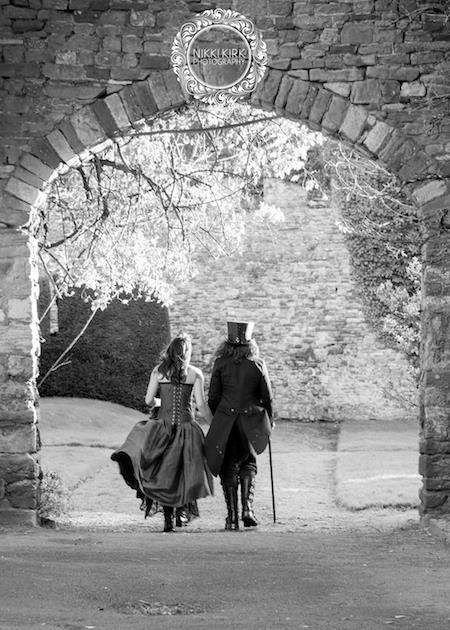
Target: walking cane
[271,482]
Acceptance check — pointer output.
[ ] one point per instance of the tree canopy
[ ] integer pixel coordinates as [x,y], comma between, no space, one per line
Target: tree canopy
[133,220]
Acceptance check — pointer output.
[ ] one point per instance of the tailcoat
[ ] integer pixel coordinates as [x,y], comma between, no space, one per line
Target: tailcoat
[238,392]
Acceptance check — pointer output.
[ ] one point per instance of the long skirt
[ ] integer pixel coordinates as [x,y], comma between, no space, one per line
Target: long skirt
[164,463]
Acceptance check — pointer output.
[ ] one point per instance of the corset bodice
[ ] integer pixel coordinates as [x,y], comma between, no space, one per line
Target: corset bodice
[176,402]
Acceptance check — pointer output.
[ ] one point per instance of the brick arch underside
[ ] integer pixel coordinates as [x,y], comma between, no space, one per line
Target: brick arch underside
[307,101]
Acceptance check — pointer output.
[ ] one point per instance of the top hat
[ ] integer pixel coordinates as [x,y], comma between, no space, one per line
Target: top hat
[240,333]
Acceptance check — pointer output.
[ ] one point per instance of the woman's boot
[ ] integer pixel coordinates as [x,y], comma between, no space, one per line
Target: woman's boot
[247,494]
[168,518]
[231,499]
[181,518]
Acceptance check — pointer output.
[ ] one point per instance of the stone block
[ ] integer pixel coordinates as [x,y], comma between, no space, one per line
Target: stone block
[14,394]
[281,98]
[338,87]
[154,62]
[87,127]
[132,44]
[105,118]
[19,365]
[63,72]
[25,415]
[158,89]
[36,166]
[308,102]
[142,18]
[413,89]
[108,59]
[28,178]
[357,33]
[112,43]
[66,128]
[435,466]
[45,152]
[368,91]
[289,51]
[344,74]
[279,64]
[432,500]
[145,98]
[299,74]
[415,168]
[390,91]
[319,106]
[15,338]
[429,191]
[406,73]
[18,438]
[354,122]
[173,88]
[23,494]
[437,484]
[335,113]
[23,191]
[117,110]
[13,218]
[268,88]
[61,146]
[130,102]
[19,309]
[66,57]
[12,518]
[377,136]
[15,468]
[130,60]
[296,97]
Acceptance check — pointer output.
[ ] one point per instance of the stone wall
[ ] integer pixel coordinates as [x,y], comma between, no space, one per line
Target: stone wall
[293,279]
[76,72]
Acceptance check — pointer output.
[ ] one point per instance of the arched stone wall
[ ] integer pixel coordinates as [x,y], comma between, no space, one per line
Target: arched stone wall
[75,72]
[294,280]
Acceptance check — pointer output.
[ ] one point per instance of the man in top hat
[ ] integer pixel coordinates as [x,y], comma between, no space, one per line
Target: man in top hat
[240,398]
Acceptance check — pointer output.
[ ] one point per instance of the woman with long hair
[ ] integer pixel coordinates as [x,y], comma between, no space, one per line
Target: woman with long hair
[163,458]
[240,398]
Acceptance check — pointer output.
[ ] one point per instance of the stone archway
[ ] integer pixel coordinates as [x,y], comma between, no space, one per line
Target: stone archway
[342,80]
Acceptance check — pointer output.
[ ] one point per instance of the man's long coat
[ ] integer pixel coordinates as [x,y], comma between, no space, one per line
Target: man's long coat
[238,390]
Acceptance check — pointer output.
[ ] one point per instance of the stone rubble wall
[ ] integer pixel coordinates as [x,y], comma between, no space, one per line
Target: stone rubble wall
[73,73]
[293,279]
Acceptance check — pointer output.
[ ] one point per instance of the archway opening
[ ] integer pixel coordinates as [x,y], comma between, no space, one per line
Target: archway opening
[319,257]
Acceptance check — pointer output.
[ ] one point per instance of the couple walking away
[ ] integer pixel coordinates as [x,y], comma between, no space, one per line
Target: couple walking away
[167,460]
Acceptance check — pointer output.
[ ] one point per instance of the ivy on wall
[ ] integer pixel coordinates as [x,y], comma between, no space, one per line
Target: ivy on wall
[113,358]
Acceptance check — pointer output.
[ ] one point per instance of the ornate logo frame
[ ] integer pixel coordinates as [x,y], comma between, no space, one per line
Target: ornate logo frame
[238,24]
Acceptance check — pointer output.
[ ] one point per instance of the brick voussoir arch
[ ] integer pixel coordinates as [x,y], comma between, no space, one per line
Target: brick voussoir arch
[307,102]
[84,132]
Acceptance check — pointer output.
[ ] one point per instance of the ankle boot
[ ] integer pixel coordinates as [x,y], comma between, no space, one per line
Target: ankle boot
[168,518]
[231,499]
[181,519]
[247,494]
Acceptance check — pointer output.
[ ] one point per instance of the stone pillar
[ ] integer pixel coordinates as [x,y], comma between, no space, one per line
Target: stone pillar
[435,352]
[19,437]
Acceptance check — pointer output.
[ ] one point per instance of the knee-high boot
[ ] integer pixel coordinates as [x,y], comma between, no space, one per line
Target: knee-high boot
[168,518]
[231,499]
[247,495]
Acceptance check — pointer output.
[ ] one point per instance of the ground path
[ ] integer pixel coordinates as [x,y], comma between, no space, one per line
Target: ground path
[320,567]
[304,457]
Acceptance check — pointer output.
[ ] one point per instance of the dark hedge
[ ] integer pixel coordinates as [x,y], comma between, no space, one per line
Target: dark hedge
[113,359]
